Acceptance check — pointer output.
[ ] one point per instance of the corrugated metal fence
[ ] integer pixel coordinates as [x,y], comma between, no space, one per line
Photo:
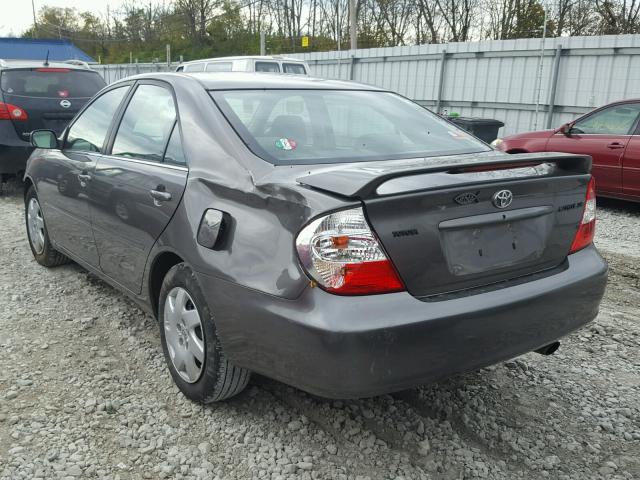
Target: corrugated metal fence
[491,79]
[114,72]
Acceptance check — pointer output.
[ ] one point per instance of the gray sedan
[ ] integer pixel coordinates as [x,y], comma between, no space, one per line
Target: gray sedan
[331,235]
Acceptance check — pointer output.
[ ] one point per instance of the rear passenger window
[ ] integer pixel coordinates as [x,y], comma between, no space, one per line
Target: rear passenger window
[295,68]
[88,132]
[174,153]
[146,124]
[196,67]
[272,67]
[219,67]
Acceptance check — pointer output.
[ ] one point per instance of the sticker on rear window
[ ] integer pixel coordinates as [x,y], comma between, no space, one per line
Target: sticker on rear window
[286,144]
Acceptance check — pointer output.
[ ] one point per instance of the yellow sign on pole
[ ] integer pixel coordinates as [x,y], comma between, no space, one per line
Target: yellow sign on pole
[305,41]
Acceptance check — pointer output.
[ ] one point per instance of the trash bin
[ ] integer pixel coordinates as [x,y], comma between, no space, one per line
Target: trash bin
[484,128]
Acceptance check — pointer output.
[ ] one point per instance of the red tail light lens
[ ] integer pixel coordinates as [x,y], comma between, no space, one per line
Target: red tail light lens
[587,229]
[11,112]
[340,252]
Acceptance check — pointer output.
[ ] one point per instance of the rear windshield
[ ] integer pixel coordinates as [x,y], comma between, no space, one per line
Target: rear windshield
[334,126]
[51,83]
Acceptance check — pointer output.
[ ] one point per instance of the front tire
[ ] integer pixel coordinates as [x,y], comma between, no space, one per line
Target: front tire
[41,247]
[190,343]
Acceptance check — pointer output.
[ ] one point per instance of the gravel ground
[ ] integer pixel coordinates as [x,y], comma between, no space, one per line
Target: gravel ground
[84,394]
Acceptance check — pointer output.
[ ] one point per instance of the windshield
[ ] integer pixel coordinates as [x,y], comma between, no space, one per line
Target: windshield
[51,83]
[335,126]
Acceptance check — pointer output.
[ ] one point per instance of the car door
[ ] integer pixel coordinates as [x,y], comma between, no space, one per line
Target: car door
[604,135]
[631,166]
[138,185]
[64,181]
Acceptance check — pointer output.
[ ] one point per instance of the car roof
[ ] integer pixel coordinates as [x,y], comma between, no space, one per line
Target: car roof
[254,80]
[247,57]
[70,64]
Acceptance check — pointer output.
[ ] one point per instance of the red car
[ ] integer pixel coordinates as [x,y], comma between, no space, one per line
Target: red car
[610,134]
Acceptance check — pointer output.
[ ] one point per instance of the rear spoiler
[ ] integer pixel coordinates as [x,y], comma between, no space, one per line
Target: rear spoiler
[356,181]
[78,63]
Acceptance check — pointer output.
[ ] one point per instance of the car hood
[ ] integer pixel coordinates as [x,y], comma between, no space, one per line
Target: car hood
[525,135]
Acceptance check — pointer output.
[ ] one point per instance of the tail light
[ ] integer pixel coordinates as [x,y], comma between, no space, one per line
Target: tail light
[11,112]
[340,252]
[587,228]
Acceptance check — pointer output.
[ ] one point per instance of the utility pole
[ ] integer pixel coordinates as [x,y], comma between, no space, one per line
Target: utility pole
[353,24]
[35,23]
[263,44]
[540,68]
[338,22]
[168,55]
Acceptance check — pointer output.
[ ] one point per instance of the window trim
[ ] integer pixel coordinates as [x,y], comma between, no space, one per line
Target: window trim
[98,95]
[120,115]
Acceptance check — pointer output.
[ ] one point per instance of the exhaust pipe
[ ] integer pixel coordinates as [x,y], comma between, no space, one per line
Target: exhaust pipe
[548,349]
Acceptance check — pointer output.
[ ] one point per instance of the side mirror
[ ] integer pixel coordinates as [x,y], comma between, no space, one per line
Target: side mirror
[43,139]
[566,129]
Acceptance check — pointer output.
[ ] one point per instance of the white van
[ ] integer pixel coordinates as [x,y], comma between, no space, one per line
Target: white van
[269,63]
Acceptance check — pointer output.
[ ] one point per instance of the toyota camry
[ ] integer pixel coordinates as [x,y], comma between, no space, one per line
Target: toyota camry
[331,235]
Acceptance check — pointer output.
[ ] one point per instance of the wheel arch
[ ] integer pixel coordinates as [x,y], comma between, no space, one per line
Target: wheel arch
[28,183]
[517,150]
[162,263]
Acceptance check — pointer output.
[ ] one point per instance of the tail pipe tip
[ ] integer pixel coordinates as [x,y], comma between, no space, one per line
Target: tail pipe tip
[548,349]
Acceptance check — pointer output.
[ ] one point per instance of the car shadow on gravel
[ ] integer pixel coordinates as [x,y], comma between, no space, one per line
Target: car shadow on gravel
[619,206]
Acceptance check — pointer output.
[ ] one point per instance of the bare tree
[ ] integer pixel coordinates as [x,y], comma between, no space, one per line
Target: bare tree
[618,16]
[458,16]
[428,22]
[196,14]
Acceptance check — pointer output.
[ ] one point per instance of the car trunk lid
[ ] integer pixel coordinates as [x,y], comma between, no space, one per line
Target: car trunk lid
[451,224]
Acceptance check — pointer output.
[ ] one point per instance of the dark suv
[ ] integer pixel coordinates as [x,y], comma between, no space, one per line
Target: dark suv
[36,95]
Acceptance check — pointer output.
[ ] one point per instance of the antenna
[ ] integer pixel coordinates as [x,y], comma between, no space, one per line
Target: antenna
[46,60]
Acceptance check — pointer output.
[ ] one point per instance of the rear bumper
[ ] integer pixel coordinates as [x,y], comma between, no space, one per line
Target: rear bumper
[346,347]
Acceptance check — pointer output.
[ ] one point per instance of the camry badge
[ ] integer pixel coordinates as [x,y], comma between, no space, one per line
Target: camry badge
[65,103]
[502,198]
[466,198]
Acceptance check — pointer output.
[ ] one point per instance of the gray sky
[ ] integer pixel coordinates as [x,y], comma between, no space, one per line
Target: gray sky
[17,15]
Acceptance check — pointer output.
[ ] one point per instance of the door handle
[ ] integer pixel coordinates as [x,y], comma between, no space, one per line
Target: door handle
[615,145]
[83,178]
[160,195]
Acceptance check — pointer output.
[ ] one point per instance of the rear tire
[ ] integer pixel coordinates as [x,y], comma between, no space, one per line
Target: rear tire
[190,343]
[39,242]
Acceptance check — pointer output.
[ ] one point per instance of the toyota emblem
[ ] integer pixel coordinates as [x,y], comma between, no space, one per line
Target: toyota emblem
[502,198]
[65,103]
